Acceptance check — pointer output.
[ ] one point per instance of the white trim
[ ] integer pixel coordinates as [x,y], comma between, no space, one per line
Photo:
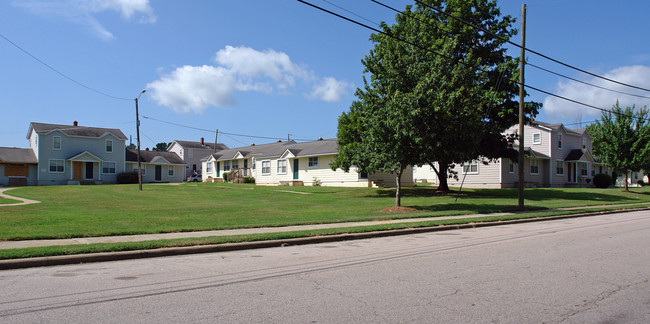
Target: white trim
[540,138]
[511,163]
[262,168]
[310,165]
[49,166]
[469,167]
[560,141]
[286,166]
[557,162]
[530,166]
[53,142]
[114,168]
[106,146]
[170,168]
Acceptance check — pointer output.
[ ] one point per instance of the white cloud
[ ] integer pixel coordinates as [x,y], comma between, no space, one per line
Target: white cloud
[558,109]
[238,69]
[330,90]
[81,11]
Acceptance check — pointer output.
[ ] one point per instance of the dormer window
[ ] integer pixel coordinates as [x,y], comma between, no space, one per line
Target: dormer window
[56,142]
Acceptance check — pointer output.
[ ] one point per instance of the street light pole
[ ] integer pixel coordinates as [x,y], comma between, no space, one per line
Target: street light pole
[137,126]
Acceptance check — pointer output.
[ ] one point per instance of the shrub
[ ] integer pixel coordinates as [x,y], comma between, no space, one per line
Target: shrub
[602,180]
[249,180]
[127,177]
[640,183]
[317,182]
[225,176]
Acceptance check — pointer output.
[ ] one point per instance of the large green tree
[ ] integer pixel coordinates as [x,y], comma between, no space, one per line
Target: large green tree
[439,90]
[621,139]
[161,147]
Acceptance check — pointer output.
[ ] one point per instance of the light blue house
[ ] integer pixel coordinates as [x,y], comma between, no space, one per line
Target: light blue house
[72,154]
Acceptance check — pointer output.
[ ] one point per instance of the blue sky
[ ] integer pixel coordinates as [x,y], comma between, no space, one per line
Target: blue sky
[265,68]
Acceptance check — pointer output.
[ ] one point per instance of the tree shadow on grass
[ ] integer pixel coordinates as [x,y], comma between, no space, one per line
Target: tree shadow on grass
[463,208]
[531,194]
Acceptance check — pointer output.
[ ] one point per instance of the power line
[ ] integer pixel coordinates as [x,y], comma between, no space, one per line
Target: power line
[59,72]
[527,49]
[445,56]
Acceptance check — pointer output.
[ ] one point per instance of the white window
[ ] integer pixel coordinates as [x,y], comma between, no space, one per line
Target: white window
[559,141]
[109,146]
[226,166]
[559,167]
[108,167]
[313,162]
[584,143]
[537,138]
[235,164]
[583,169]
[170,171]
[143,170]
[208,167]
[511,166]
[470,167]
[57,166]
[56,142]
[282,166]
[266,167]
[593,170]
[534,166]
[253,162]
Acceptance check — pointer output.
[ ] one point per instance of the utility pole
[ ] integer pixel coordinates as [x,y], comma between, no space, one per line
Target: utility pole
[216,136]
[521,106]
[137,126]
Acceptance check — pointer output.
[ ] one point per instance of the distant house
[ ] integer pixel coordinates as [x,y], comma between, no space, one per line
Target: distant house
[71,154]
[555,156]
[291,163]
[18,167]
[193,152]
[156,166]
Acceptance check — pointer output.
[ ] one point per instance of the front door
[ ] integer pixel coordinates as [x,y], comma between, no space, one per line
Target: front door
[158,173]
[295,169]
[89,171]
[77,169]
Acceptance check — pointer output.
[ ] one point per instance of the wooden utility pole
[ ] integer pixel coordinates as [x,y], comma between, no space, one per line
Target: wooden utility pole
[216,137]
[522,60]
[137,127]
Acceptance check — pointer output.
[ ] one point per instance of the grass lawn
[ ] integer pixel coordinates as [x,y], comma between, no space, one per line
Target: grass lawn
[78,211]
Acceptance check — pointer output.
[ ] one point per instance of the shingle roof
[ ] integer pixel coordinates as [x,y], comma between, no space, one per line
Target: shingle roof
[198,145]
[574,155]
[70,130]
[258,151]
[148,156]
[558,126]
[17,155]
[320,147]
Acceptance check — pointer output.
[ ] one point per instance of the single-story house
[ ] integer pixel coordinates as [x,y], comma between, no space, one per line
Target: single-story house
[156,166]
[18,167]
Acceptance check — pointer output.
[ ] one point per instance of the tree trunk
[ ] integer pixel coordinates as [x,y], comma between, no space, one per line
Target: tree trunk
[441,172]
[626,188]
[398,187]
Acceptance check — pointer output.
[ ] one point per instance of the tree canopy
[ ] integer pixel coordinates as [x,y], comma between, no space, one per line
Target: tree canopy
[439,90]
[621,139]
[161,147]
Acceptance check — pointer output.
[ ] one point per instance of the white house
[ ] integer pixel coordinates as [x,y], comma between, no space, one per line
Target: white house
[156,166]
[293,163]
[555,156]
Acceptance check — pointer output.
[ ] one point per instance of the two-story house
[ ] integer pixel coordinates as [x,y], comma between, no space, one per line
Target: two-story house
[69,154]
[193,152]
[555,156]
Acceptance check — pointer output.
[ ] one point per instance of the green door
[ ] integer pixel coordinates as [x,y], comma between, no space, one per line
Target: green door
[295,169]
[218,169]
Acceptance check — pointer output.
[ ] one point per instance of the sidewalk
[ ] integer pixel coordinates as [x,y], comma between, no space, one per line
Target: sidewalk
[4,245]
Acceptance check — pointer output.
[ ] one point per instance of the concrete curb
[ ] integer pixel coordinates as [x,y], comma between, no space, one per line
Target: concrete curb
[140,254]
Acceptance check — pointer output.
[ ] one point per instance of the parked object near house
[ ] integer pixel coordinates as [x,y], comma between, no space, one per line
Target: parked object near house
[73,154]
[156,166]
[555,156]
[18,167]
[193,152]
[292,164]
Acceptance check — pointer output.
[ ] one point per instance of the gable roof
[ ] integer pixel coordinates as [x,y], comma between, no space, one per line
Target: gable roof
[149,156]
[257,151]
[320,147]
[576,132]
[17,155]
[198,145]
[577,154]
[70,130]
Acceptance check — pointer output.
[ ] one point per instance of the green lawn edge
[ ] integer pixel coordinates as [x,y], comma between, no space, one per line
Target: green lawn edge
[49,251]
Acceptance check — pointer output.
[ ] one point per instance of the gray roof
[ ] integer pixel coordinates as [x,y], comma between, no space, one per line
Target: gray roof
[148,156]
[320,147]
[17,155]
[198,145]
[257,151]
[70,130]
[558,126]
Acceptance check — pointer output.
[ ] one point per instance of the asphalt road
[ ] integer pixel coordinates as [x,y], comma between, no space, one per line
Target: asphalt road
[583,270]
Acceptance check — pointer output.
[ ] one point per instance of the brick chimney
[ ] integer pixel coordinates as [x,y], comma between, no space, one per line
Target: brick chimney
[252,144]
[320,138]
[202,141]
[147,149]
[75,123]
[279,141]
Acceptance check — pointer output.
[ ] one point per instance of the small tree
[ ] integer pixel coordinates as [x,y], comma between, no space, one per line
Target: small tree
[621,139]
[161,147]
